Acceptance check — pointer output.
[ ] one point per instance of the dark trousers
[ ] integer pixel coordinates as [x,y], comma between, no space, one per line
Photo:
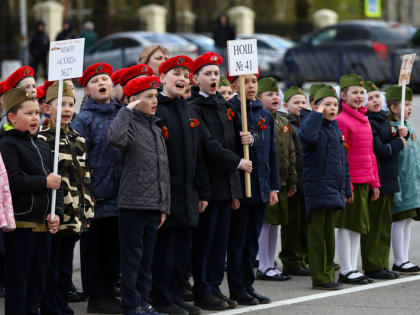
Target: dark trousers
[209,248]
[245,229]
[27,262]
[59,281]
[99,248]
[138,230]
[173,245]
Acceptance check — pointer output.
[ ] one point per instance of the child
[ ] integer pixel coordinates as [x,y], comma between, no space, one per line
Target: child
[246,223]
[354,220]
[190,188]
[144,198]
[375,245]
[78,202]
[407,200]
[211,237]
[225,89]
[268,94]
[29,164]
[99,249]
[24,78]
[326,184]
[294,250]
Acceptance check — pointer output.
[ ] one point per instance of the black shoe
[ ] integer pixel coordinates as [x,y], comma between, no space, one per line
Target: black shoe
[104,306]
[415,270]
[359,280]
[395,274]
[261,298]
[75,295]
[232,303]
[2,291]
[300,272]
[243,298]
[379,274]
[171,309]
[276,277]
[145,309]
[187,284]
[211,303]
[328,286]
[191,309]
[187,295]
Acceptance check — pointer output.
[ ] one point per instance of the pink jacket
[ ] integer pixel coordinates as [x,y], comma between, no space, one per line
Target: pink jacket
[7,218]
[358,139]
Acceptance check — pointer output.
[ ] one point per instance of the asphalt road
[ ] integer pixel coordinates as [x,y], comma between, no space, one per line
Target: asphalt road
[296,296]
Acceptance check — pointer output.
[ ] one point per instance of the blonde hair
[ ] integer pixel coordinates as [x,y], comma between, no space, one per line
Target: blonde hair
[145,55]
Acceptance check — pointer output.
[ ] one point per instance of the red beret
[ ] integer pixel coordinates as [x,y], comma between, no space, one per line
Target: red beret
[134,72]
[208,58]
[94,70]
[141,84]
[174,62]
[19,75]
[40,92]
[47,84]
[117,75]
[3,88]
[232,78]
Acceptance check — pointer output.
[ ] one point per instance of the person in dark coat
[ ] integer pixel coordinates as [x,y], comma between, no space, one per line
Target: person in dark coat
[99,247]
[223,32]
[221,155]
[190,188]
[246,223]
[38,48]
[326,184]
[387,143]
[89,34]
[67,32]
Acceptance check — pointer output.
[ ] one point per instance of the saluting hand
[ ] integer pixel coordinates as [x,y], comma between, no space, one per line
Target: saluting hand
[246,137]
[134,104]
[321,108]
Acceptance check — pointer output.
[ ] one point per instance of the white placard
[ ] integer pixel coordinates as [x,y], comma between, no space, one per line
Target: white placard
[242,57]
[66,59]
[406,67]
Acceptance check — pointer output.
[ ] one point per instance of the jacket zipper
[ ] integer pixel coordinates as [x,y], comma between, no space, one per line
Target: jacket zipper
[43,168]
[326,158]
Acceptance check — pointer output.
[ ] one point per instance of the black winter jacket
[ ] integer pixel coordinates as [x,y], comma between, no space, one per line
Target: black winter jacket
[188,174]
[220,149]
[386,146]
[145,174]
[28,162]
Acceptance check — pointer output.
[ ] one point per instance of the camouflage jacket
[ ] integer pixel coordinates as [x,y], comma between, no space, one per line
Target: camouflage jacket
[78,200]
[285,151]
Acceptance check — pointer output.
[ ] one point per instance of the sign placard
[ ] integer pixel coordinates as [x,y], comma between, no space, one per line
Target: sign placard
[242,57]
[406,67]
[66,59]
[373,8]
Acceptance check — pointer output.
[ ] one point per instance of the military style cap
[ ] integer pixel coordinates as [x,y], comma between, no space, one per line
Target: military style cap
[223,81]
[15,97]
[351,79]
[313,89]
[394,93]
[370,86]
[292,91]
[52,92]
[325,91]
[267,84]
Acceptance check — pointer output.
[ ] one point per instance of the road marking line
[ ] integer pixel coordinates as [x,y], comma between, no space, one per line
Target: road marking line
[319,296]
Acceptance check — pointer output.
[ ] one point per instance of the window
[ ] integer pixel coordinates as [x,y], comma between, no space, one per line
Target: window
[126,43]
[324,37]
[104,46]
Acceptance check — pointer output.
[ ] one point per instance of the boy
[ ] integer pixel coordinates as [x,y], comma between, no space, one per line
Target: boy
[225,89]
[268,93]
[190,188]
[99,249]
[246,223]
[78,201]
[294,250]
[326,184]
[221,155]
[144,198]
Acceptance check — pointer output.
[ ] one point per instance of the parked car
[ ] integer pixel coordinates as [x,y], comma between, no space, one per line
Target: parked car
[271,49]
[123,49]
[372,49]
[203,42]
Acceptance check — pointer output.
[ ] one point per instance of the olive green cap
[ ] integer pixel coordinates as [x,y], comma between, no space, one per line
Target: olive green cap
[16,97]
[325,91]
[223,81]
[268,85]
[292,91]
[313,89]
[52,92]
[370,86]
[394,93]
[350,79]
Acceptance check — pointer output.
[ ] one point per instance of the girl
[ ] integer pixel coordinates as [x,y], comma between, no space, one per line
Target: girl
[22,77]
[407,200]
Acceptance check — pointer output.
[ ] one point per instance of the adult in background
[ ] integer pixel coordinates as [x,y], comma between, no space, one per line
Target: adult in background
[38,48]
[67,32]
[89,34]
[153,56]
[223,32]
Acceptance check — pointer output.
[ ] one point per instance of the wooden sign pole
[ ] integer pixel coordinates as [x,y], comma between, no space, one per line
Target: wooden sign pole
[245,129]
